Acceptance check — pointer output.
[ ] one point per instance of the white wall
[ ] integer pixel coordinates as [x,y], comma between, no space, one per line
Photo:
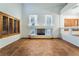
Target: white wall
[13,9]
[41,10]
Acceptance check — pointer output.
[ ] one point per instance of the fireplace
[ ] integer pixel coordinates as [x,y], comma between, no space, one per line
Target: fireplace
[40,31]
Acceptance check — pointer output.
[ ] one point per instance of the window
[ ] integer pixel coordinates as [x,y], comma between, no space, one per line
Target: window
[48,20]
[48,32]
[33,23]
[48,23]
[32,20]
[33,31]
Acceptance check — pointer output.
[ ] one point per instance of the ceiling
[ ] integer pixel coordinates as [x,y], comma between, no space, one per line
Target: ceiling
[52,7]
[74,10]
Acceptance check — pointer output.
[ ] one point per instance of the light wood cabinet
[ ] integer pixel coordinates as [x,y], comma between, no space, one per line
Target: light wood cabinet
[3,23]
[9,25]
[70,22]
[16,26]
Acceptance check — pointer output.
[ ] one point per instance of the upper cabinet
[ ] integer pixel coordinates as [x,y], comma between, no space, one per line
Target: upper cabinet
[3,23]
[71,22]
[11,25]
[16,26]
[8,25]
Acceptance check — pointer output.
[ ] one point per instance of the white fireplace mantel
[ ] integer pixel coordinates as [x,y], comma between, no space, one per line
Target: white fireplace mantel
[42,27]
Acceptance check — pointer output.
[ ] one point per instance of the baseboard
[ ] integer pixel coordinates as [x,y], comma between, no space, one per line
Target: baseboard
[40,38]
[69,43]
[24,38]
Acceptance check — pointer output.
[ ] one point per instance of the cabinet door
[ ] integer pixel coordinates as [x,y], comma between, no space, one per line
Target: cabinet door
[5,24]
[11,29]
[73,22]
[1,23]
[18,26]
[78,22]
[70,22]
[15,25]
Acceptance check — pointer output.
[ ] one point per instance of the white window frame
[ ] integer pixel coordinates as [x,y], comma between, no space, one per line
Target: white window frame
[46,19]
[48,31]
[35,18]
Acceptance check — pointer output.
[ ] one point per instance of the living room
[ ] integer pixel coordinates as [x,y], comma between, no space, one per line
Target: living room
[30,27]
